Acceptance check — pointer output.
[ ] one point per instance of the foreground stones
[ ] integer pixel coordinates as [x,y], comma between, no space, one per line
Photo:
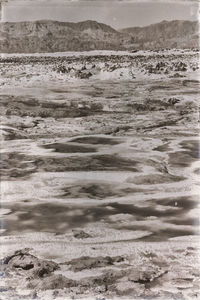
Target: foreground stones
[25,274]
[22,263]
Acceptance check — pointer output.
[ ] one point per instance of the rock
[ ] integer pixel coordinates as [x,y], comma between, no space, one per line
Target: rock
[83,68]
[62,69]
[145,274]
[86,262]
[173,100]
[177,75]
[180,67]
[107,279]
[84,75]
[52,283]
[80,234]
[24,264]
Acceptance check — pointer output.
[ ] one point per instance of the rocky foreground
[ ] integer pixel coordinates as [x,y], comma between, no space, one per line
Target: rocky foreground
[100,176]
[160,271]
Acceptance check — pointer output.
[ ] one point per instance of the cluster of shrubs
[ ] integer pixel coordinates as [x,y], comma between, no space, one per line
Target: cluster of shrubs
[83,73]
[166,68]
[180,67]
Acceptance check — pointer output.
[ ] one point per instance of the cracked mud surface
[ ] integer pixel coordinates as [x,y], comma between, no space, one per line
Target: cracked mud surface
[100,177]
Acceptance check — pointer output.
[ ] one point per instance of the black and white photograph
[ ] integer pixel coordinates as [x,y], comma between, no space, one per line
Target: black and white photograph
[100,169]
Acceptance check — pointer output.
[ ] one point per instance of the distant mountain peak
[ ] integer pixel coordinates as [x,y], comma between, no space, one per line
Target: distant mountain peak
[94,25]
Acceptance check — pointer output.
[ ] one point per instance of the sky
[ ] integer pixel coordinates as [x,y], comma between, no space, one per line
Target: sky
[116,13]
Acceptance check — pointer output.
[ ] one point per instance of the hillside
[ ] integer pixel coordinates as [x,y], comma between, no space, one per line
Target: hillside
[167,34]
[54,36]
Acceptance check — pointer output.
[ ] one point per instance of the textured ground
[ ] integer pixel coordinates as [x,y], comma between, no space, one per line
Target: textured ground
[100,176]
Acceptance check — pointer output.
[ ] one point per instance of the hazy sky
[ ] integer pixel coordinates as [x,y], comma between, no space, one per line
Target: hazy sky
[118,14]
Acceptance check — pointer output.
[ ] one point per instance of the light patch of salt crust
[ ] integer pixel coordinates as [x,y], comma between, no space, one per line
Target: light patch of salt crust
[194,213]
[57,180]
[30,147]
[89,273]
[4,211]
[35,191]
[100,52]
[126,74]
[65,246]
[50,296]
[59,248]
[83,274]
[154,225]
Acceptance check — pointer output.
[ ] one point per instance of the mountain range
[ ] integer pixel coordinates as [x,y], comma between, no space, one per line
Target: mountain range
[54,36]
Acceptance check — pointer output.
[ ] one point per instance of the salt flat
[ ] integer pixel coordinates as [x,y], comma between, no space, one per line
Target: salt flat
[100,175]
